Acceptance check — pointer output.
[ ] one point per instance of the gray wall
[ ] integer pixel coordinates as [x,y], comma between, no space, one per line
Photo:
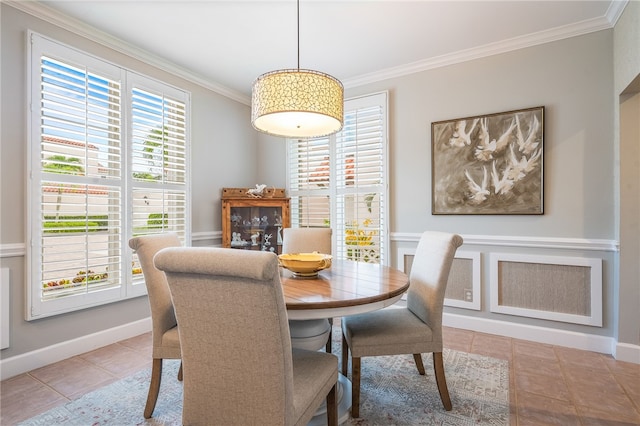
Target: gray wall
[222,141]
[573,79]
[627,135]
[576,91]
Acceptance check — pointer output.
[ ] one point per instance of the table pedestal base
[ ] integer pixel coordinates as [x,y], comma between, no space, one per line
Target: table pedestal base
[311,335]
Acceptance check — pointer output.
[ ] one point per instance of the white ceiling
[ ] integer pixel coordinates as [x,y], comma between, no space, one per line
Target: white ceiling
[230,43]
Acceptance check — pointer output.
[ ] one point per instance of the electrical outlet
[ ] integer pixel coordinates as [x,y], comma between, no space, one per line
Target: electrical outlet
[468,295]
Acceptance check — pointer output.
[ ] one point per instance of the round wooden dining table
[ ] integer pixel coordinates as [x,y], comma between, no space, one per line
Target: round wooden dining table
[346,288]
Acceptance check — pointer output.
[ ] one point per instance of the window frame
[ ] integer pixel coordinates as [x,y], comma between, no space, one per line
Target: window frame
[379,99]
[126,285]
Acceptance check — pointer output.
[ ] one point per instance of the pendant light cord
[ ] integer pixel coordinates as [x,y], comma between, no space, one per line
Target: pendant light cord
[298,29]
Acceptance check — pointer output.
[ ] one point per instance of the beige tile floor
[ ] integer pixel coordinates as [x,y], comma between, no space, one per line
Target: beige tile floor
[549,385]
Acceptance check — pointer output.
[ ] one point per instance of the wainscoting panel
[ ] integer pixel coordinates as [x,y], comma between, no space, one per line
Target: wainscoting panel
[463,287]
[5,306]
[559,288]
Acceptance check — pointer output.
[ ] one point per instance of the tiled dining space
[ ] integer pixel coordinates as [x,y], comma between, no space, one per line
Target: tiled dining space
[549,385]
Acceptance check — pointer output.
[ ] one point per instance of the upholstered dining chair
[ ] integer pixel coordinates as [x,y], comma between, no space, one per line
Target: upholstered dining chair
[415,329]
[164,333]
[239,366]
[308,240]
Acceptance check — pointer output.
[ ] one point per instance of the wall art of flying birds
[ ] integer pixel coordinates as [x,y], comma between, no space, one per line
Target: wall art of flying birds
[490,164]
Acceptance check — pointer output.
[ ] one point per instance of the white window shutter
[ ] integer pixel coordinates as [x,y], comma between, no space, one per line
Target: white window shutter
[75,187]
[94,183]
[341,181]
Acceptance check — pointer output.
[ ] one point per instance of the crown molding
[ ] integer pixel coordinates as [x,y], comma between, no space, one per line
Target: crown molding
[504,46]
[46,13]
[615,10]
[52,16]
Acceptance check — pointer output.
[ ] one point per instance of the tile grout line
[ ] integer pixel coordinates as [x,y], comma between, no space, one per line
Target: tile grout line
[634,403]
[47,385]
[567,382]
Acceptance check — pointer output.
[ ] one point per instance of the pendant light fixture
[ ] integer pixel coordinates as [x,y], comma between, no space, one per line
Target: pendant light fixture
[297,102]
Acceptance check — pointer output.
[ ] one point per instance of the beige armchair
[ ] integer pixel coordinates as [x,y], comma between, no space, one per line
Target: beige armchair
[239,367]
[308,240]
[166,343]
[411,330]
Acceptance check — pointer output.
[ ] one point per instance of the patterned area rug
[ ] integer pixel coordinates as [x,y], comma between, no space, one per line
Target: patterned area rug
[392,393]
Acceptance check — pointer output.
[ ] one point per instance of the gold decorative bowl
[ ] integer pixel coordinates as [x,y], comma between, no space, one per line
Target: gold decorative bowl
[305,264]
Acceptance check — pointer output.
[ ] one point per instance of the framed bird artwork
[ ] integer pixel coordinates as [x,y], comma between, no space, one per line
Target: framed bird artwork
[489,164]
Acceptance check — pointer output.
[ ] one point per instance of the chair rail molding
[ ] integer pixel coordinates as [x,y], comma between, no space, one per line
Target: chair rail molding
[524,241]
[12,250]
[19,249]
[206,236]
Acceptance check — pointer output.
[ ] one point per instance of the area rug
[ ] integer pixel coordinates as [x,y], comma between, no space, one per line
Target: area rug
[392,393]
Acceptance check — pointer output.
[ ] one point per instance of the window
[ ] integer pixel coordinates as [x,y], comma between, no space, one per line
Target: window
[108,159]
[340,181]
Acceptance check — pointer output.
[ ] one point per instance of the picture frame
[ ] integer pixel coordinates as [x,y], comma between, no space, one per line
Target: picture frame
[489,164]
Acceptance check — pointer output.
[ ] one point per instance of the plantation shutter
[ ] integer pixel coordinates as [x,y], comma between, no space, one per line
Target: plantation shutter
[361,182]
[341,181]
[76,180]
[309,182]
[158,157]
[93,182]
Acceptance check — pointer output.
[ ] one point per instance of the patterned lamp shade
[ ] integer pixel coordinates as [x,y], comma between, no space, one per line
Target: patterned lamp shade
[297,103]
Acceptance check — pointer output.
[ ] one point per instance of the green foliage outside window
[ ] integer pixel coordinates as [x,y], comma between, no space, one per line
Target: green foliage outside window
[145,176]
[64,165]
[71,224]
[156,139]
[359,241]
[158,220]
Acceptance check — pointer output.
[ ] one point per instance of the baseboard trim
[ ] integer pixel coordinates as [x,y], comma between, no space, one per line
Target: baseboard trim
[570,339]
[627,352]
[23,363]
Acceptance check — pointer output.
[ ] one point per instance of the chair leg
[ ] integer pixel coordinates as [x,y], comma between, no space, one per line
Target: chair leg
[355,387]
[332,407]
[345,356]
[418,359]
[180,372]
[438,367]
[328,348]
[154,387]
